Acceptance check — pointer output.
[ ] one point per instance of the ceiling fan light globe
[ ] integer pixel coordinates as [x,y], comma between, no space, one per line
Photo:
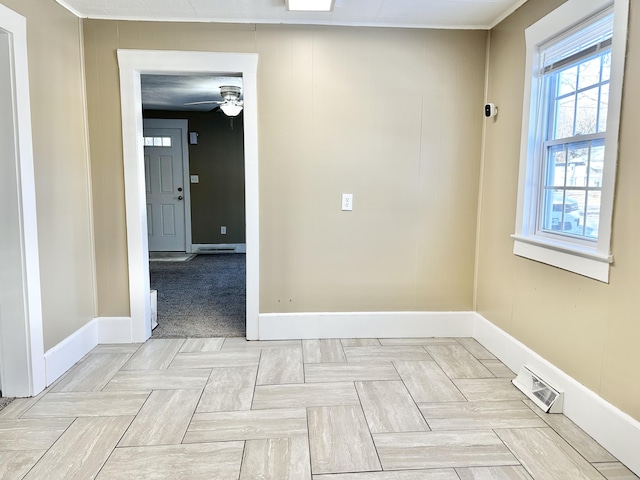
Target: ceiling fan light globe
[231,109]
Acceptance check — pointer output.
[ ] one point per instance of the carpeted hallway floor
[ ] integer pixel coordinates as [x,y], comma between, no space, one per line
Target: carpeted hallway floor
[203,297]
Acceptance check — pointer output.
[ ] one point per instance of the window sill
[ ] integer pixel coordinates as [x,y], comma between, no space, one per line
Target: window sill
[568,257]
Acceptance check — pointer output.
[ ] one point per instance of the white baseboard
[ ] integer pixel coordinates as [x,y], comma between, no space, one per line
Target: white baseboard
[114,330]
[613,429]
[69,351]
[65,354]
[219,248]
[288,326]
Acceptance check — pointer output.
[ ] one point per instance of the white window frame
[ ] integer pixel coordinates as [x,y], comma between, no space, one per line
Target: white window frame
[591,259]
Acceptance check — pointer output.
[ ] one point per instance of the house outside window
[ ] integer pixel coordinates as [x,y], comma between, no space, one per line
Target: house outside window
[573,87]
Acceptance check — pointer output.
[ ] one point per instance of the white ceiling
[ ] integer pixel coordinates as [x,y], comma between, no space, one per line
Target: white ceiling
[474,14]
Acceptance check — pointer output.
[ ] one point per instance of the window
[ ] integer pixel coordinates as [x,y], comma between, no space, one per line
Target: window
[573,86]
[157,141]
[576,73]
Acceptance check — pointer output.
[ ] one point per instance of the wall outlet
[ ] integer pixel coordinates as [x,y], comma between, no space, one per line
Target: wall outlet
[195,179]
[347,202]
[223,230]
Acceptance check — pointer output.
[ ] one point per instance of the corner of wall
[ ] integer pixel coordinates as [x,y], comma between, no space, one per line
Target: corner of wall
[87,152]
[481,176]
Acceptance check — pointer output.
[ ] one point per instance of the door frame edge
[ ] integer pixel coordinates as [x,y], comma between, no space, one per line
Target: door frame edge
[132,63]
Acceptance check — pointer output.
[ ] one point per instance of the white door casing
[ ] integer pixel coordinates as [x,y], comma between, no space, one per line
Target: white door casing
[132,64]
[167,187]
[21,338]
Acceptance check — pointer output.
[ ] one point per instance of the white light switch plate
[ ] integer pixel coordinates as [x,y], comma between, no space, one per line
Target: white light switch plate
[195,179]
[347,202]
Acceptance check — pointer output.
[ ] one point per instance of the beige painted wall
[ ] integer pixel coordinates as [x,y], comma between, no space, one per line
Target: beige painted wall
[587,328]
[392,116]
[61,167]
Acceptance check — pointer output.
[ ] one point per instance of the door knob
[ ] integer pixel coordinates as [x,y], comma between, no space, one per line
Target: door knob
[179,189]
[180,197]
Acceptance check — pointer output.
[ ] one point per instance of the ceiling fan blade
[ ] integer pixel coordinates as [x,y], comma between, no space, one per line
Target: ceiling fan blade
[201,103]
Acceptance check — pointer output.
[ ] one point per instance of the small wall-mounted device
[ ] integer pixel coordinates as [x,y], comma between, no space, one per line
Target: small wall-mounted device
[193,138]
[490,110]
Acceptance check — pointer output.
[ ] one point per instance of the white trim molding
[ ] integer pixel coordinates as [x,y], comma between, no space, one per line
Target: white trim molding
[588,264]
[506,14]
[66,5]
[609,426]
[68,352]
[293,326]
[114,330]
[132,64]
[22,361]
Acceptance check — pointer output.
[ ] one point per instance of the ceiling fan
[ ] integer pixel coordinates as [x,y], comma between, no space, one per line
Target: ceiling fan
[231,104]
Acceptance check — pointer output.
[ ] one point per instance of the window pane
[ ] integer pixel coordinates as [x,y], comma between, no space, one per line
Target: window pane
[166,141]
[563,211]
[596,163]
[589,73]
[574,203]
[157,141]
[556,166]
[606,67]
[592,220]
[573,210]
[567,81]
[552,210]
[577,174]
[576,164]
[564,117]
[148,141]
[587,112]
[551,217]
[604,108]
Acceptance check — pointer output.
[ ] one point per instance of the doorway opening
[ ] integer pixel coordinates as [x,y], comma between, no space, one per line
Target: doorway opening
[194,173]
[133,64]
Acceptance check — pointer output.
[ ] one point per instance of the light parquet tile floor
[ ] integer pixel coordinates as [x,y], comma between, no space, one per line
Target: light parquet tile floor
[352,409]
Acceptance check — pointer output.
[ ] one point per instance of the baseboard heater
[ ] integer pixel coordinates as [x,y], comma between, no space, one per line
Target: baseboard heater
[217,250]
[539,391]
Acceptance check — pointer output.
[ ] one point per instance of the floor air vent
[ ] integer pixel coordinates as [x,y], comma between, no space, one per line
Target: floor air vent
[540,392]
